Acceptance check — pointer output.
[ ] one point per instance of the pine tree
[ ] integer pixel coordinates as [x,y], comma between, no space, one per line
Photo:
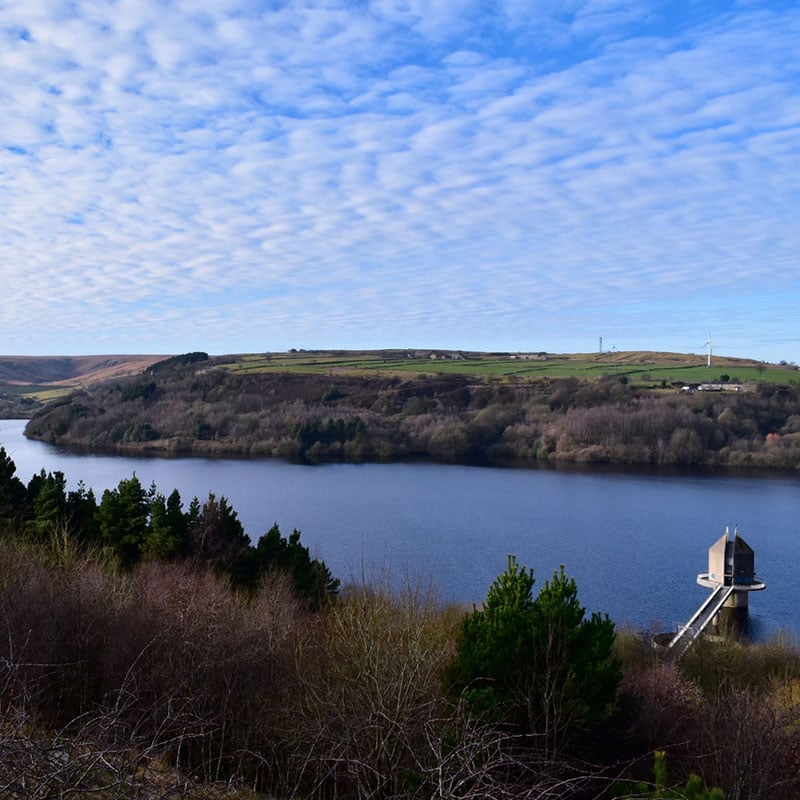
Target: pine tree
[216,537]
[540,664]
[124,519]
[311,578]
[166,537]
[48,496]
[12,493]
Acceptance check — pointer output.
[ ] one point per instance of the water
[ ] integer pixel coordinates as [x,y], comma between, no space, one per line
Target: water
[634,542]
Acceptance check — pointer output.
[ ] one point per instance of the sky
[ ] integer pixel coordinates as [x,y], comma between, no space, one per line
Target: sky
[250,175]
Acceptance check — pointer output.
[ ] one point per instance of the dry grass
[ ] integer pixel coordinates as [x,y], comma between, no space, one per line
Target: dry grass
[71,370]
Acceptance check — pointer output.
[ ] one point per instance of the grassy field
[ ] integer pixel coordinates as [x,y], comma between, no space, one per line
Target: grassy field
[638,367]
[41,393]
[641,368]
[44,395]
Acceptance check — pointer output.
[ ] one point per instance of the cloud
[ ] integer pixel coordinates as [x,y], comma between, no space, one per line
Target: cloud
[375,174]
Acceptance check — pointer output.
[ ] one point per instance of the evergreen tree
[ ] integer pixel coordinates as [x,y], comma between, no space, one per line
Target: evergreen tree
[216,536]
[13,494]
[169,526]
[694,788]
[123,517]
[48,499]
[311,578]
[493,667]
[82,514]
[576,675]
[540,664]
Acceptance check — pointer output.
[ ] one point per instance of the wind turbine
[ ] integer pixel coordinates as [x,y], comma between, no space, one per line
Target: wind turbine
[708,345]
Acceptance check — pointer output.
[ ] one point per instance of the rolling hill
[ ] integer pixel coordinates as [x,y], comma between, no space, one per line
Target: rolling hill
[70,371]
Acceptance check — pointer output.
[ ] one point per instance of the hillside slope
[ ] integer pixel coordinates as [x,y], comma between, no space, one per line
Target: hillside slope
[71,370]
[26,381]
[316,412]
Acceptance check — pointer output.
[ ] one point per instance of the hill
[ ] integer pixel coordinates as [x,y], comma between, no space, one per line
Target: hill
[644,369]
[448,406]
[70,370]
[27,381]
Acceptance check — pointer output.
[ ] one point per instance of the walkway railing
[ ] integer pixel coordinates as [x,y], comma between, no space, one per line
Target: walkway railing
[696,625]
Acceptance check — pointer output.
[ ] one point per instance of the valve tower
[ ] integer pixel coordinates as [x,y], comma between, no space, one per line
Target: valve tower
[731,562]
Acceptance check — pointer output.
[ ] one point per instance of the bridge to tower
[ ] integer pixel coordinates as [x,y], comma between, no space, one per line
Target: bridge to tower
[731,576]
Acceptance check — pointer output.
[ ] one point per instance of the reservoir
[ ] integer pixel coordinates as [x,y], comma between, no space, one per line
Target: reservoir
[633,540]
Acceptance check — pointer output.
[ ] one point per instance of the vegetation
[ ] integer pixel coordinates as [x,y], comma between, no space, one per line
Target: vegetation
[28,381]
[150,649]
[193,404]
[132,524]
[694,789]
[140,659]
[537,664]
[16,405]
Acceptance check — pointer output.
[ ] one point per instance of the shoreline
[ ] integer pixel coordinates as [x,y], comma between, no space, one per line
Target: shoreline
[213,451]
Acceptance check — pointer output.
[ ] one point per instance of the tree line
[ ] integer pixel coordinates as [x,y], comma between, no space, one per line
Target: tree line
[193,407]
[131,524]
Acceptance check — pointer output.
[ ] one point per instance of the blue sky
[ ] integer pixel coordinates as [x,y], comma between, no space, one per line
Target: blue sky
[243,176]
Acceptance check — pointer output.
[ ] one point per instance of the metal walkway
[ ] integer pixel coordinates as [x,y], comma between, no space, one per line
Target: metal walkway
[696,625]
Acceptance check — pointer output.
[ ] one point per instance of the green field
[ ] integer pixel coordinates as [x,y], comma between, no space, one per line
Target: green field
[640,368]
[41,393]
[44,394]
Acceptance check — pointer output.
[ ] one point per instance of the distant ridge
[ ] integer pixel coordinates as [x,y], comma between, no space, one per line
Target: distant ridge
[71,370]
[657,357]
[82,371]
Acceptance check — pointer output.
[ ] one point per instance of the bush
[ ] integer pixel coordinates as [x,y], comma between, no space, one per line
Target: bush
[370,693]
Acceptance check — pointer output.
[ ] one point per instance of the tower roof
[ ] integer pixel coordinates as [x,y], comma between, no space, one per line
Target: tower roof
[740,545]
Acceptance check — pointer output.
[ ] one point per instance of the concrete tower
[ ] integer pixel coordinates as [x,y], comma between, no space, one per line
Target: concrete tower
[731,563]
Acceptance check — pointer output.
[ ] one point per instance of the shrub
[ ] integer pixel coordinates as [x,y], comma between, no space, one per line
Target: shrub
[370,693]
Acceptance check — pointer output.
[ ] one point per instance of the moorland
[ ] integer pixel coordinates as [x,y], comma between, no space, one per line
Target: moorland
[28,381]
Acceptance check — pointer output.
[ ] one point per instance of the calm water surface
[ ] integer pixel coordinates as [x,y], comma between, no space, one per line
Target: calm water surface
[633,541]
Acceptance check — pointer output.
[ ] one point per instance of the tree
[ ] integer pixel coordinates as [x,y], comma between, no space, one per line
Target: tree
[368,698]
[575,673]
[494,656]
[123,517]
[47,492]
[311,578]
[694,789]
[166,537]
[539,665]
[12,492]
[82,514]
[216,536]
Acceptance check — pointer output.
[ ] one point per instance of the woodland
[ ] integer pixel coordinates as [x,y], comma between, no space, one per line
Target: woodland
[190,404]
[150,650]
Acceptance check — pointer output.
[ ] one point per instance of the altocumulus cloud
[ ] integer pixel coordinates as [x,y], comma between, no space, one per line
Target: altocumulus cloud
[247,175]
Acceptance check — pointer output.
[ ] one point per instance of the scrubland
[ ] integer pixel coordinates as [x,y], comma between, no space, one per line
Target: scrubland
[148,651]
